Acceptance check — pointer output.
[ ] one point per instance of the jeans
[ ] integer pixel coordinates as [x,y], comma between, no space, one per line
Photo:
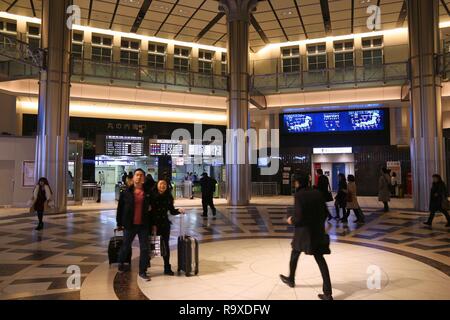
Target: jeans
[164,232]
[322,266]
[208,201]
[40,215]
[337,208]
[129,234]
[358,214]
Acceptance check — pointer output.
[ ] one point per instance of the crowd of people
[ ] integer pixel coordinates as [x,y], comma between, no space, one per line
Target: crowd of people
[145,204]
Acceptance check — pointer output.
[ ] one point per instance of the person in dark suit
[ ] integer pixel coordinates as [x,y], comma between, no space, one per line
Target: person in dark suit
[309,236]
[438,200]
[208,187]
[323,185]
[133,218]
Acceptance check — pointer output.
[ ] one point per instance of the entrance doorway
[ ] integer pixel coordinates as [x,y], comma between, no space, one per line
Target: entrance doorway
[337,168]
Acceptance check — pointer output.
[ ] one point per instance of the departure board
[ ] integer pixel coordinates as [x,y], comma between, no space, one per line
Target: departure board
[124,146]
[163,149]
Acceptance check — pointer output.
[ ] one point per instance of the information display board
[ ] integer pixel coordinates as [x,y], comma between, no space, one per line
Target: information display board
[337,121]
[124,146]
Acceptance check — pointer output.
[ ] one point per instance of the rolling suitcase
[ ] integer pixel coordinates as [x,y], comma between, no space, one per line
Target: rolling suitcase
[187,253]
[115,243]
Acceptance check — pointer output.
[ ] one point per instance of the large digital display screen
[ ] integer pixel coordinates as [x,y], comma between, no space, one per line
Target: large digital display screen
[336,121]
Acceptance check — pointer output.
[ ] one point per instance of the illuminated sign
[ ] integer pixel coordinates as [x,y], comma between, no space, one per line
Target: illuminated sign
[337,121]
[124,146]
[337,150]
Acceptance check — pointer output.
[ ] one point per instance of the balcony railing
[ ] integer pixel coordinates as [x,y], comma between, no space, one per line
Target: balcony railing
[367,76]
[144,76]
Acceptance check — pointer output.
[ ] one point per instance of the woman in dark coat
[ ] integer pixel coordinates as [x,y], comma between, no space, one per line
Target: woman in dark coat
[341,197]
[309,236]
[162,202]
[438,200]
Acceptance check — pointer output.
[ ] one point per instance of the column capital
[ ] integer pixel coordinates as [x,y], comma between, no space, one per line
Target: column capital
[237,10]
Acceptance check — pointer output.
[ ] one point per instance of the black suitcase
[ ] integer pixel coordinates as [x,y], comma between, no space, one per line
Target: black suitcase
[187,253]
[115,243]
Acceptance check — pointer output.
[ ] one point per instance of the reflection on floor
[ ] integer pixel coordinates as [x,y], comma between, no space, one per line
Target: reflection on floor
[415,261]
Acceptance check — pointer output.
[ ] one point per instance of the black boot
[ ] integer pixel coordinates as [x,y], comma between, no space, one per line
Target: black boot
[168,270]
[290,282]
[40,226]
[325,297]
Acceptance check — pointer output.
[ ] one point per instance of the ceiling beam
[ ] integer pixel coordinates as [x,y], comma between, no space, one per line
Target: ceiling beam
[140,16]
[190,18]
[32,8]
[279,22]
[114,14]
[445,7]
[258,29]
[402,16]
[301,19]
[12,5]
[352,29]
[209,26]
[165,19]
[215,42]
[326,16]
[90,12]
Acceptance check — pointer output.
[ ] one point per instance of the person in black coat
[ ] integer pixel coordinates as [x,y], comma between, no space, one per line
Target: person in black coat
[149,183]
[438,200]
[341,196]
[133,218]
[208,187]
[162,203]
[309,236]
[323,185]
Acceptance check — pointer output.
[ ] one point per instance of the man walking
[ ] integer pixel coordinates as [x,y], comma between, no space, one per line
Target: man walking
[310,236]
[208,187]
[133,218]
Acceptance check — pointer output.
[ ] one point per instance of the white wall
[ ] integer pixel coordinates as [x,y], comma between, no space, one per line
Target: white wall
[18,149]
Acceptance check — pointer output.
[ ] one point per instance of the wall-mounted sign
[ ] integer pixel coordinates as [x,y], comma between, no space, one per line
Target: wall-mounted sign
[337,150]
[28,179]
[124,146]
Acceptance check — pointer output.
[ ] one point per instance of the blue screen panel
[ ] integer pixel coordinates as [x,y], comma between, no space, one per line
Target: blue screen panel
[339,121]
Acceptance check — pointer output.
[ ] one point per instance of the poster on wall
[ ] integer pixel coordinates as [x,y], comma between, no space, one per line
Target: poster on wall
[28,174]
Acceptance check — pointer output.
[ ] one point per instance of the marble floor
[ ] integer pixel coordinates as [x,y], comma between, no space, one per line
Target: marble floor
[242,252]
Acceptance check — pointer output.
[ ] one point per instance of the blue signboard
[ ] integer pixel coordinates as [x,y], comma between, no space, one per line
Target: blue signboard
[337,121]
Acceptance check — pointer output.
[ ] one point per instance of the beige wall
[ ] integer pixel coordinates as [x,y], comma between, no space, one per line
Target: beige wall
[17,149]
[8,122]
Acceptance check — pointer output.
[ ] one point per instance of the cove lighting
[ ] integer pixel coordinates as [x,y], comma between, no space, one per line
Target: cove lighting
[139,113]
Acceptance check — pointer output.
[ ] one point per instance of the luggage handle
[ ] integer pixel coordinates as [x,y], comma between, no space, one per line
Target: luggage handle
[182,231]
[115,234]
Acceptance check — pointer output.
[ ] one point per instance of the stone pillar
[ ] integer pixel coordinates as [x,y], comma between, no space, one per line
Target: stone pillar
[54,93]
[238,175]
[426,134]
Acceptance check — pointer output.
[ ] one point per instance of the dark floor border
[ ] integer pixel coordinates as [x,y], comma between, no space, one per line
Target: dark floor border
[127,288]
